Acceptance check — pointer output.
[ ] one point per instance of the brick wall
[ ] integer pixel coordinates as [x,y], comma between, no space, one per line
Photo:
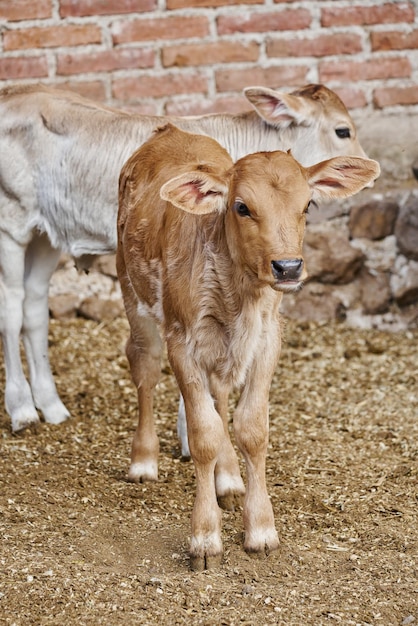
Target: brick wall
[194,56]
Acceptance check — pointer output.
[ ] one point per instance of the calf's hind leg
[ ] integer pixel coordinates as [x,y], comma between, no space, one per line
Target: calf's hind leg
[41,261]
[228,481]
[143,350]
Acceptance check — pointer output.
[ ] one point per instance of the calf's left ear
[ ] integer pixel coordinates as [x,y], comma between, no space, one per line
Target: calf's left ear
[280,109]
[341,177]
[196,192]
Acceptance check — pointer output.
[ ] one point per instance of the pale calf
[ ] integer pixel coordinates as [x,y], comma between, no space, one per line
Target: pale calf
[60,158]
[205,250]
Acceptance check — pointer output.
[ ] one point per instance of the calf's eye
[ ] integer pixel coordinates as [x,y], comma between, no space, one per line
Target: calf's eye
[343,133]
[242,209]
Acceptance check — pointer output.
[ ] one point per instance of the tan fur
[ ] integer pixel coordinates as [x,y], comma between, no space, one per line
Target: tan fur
[210,279]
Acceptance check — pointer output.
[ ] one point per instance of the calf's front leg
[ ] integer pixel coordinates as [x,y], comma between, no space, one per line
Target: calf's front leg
[251,426]
[205,434]
[17,394]
[251,431]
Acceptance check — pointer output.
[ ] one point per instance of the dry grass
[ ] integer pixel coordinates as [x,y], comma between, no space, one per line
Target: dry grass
[80,545]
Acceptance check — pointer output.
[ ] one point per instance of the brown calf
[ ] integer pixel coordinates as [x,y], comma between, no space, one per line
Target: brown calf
[205,250]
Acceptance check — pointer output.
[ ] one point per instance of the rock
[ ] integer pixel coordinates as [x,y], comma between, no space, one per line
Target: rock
[379,255]
[315,302]
[406,229]
[63,306]
[392,320]
[84,262]
[329,256]
[404,281]
[374,220]
[106,265]
[328,211]
[68,280]
[348,296]
[409,316]
[101,309]
[375,292]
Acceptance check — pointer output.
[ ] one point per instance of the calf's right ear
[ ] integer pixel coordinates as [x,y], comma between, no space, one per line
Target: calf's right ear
[341,177]
[196,192]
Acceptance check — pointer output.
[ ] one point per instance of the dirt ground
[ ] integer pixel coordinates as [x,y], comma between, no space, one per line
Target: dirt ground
[80,545]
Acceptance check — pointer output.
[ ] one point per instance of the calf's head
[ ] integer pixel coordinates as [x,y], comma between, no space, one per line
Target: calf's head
[264,199]
[316,121]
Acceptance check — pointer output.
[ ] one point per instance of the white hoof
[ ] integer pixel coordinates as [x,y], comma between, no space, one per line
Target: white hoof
[227,484]
[24,418]
[55,413]
[143,472]
[261,542]
[205,551]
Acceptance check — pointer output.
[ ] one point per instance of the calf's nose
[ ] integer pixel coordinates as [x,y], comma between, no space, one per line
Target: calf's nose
[287,269]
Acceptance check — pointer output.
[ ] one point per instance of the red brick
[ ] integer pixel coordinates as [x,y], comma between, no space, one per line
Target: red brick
[184,4]
[23,67]
[393,40]
[234,80]
[51,37]
[394,67]
[207,54]
[105,61]
[321,46]
[95,89]
[18,10]
[81,8]
[390,96]
[232,104]
[126,89]
[352,98]
[388,13]
[125,31]
[264,22]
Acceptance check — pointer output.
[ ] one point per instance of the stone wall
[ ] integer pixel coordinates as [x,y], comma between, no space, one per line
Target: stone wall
[362,261]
